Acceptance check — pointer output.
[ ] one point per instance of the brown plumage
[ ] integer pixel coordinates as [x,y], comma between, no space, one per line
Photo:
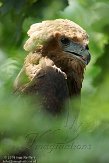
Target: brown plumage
[54,67]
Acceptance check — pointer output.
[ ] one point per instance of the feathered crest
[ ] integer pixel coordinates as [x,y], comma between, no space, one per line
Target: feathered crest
[41,32]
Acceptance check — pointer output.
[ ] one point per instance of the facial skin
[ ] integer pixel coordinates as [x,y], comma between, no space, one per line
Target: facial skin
[76,49]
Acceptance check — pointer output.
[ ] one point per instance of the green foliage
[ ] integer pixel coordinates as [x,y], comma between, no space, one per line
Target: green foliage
[14,13]
[59,139]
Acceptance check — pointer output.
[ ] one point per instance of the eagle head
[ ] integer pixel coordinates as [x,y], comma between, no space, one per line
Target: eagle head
[59,39]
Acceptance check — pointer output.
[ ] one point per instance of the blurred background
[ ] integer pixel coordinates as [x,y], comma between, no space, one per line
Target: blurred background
[86,141]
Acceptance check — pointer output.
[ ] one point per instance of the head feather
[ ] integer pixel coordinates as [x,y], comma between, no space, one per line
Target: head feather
[41,32]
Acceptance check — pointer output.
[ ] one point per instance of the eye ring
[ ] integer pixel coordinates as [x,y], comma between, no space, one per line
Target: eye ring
[65,41]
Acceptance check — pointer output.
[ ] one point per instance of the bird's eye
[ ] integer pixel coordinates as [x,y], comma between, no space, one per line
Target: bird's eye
[65,41]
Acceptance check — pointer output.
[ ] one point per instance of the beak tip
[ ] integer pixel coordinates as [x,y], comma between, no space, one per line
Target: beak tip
[88,58]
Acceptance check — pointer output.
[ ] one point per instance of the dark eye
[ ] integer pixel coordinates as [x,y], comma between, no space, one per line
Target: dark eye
[65,41]
[87,47]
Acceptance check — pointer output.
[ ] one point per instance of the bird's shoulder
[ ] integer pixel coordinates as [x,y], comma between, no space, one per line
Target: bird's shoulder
[35,67]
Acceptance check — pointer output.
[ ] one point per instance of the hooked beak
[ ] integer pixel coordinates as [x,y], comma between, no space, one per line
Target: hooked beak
[79,51]
[85,56]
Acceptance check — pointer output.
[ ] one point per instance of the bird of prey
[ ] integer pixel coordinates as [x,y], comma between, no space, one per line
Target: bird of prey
[54,68]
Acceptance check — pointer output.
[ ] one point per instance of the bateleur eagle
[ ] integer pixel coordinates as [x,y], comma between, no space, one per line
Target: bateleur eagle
[54,68]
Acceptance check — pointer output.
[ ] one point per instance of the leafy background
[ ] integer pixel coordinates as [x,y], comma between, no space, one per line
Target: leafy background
[60,139]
